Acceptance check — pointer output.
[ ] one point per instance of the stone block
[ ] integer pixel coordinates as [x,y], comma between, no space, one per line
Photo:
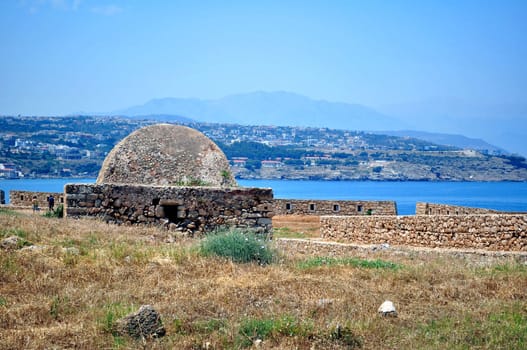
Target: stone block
[264,221]
[171,202]
[160,211]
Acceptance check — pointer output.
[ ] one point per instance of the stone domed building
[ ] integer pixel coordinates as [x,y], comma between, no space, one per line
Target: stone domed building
[167,155]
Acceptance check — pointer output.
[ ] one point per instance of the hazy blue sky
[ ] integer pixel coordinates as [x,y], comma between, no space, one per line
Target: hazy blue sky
[63,56]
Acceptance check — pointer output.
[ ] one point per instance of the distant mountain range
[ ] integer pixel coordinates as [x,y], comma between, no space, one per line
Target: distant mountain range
[290,109]
[269,108]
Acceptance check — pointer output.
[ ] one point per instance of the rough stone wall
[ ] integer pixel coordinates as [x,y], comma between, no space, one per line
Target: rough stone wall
[25,198]
[445,209]
[191,210]
[330,207]
[506,232]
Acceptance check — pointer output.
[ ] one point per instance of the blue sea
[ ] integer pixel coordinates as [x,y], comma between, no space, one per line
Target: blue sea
[507,196]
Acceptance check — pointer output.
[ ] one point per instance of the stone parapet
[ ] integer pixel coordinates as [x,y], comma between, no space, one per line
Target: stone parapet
[25,198]
[422,208]
[333,207]
[489,232]
[191,210]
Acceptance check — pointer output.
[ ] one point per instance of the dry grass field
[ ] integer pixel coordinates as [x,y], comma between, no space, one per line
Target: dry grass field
[57,297]
[296,226]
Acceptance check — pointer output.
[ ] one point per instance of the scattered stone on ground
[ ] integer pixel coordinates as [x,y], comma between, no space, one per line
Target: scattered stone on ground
[145,323]
[383,246]
[387,309]
[13,243]
[71,251]
[33,248]
[324,302]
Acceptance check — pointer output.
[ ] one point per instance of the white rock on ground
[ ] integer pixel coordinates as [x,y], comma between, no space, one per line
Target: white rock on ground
[13,243]
[387,309]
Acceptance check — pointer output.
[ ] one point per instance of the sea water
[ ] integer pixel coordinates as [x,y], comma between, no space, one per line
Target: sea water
[507,196]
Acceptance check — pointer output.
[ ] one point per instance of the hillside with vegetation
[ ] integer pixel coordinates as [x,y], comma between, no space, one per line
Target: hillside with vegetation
[76,146]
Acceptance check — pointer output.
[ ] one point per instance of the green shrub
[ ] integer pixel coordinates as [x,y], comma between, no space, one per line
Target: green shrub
[57,213]
[238,246]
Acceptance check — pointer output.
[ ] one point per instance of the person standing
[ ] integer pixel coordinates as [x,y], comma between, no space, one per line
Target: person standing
[51,202]
[35,204]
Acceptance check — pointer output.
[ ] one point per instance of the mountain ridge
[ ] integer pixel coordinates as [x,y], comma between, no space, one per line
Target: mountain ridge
[269,108]
[282,108]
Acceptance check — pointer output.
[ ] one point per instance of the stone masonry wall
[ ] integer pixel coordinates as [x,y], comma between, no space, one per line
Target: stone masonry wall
[489,232]
[191,210]
[25,198]
[445,209]
[330,207]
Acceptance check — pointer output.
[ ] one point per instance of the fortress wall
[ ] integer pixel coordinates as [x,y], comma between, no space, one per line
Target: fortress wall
[506,232]
[25,198]
[445,209]
[333,207]
[191,210]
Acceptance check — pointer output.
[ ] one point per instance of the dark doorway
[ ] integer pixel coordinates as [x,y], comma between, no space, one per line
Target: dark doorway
[171,213]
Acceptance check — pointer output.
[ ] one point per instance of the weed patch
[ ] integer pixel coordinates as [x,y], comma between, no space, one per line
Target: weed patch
[506,329]
[59,306]
[268,328]
[354,262]
[345,336]
[6,211]
[6,232]
[209,326]
[111,313]
[133,252]
[510,268]
[9,264]
[242,247]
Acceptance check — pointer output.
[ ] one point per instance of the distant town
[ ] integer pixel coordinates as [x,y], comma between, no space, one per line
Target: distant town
[39,147]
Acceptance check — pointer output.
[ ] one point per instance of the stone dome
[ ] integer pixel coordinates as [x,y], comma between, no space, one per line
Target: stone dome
[166,154]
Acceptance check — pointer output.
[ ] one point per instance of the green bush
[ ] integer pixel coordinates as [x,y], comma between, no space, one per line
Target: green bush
[239,246]
[57,213]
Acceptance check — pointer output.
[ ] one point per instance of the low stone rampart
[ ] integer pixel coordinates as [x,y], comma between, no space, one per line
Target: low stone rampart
[25,198]
[191,210]
[489,232]
[446,209]
[333,207]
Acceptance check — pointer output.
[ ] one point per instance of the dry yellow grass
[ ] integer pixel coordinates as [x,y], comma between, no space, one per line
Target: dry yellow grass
[300,226]
[52,298]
